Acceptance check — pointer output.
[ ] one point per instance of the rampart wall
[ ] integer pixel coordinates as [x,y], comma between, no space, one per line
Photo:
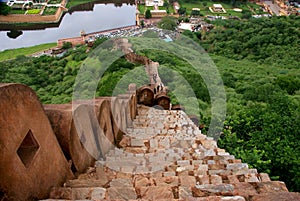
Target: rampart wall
[44,145]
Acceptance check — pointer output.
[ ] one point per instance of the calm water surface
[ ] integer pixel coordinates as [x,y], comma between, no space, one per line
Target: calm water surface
[101,18]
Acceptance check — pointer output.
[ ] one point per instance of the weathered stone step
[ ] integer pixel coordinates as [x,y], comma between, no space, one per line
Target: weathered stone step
[80,183]
[172,161]
[91,193]
[279,196]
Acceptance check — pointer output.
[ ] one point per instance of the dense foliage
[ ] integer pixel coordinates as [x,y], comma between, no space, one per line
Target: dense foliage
[262,79]
[4,9]
[148,14]
[262,125]
[273,41]
[168,22]
[259,63]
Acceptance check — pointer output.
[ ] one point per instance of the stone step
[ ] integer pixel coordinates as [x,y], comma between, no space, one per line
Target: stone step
[84,193]
[167,158]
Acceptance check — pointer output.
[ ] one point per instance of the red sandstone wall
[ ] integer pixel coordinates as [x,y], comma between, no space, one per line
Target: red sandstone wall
[31,159]
[62,121]
[88,130]
[75,41]
[104,117]
[135,58]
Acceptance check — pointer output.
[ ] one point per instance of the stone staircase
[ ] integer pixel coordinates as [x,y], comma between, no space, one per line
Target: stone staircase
[165,157]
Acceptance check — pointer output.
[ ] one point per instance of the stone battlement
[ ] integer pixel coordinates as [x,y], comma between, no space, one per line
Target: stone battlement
[44,145]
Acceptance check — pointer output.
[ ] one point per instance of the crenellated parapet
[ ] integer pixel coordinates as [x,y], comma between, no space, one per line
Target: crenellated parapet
[31,159]
[44,145]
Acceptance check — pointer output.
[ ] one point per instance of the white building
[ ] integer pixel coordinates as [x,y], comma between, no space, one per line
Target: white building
[154,2]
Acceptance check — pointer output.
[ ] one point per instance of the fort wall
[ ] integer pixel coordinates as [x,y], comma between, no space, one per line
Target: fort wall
[42,146]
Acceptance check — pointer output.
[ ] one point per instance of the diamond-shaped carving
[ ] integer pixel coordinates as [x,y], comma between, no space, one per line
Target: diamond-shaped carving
[28,149]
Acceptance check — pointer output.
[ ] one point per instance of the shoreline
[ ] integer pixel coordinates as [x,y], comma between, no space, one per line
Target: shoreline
[80,40]
[57,17]
[22,18]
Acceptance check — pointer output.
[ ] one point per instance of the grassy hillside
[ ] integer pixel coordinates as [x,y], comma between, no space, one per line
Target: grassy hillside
[13,53]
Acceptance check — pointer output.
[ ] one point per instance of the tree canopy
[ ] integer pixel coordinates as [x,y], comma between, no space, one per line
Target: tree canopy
[168,22]
[4,9]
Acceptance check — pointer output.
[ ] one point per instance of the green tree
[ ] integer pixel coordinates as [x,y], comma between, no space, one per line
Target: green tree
[168,22]
[166,5]
[4,9]
[148,14]
[67,45]
[267,137]
[142,23]
[289,83]
[246,14]
[195,13]
[181,11]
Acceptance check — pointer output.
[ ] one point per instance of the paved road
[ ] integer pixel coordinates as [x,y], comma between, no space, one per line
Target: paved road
[274,7]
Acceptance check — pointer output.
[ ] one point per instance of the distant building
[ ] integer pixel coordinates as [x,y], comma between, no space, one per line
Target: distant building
[218,8]
[195,11]
[158,13]
[176,6]
[186,26]
[154,2]
[18,3]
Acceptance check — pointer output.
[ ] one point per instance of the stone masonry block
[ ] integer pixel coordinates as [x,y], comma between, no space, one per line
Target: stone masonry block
[203,167]
[122,193]
[153,143]
[183,163]
[264,177]
[169,173]
[244,189]
[209,144]
[184,192]
[121,182]
[251,178]
[188,181]
[203,179]
[81,193]
[137,142]
[233,198]
[237,166]
[232,179]
[98,193]
[167,181]
[211,189]
[156,193]
[215,179]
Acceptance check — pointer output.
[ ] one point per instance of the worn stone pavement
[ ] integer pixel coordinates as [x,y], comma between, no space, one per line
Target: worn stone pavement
[165,157]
